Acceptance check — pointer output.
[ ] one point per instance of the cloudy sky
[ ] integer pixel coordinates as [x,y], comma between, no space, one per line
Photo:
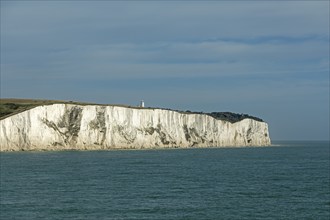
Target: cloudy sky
[269,59]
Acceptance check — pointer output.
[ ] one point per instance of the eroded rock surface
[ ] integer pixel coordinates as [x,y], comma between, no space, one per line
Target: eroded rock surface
[65,126]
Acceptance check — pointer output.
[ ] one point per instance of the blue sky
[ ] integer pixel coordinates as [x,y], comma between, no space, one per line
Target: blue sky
[269,59]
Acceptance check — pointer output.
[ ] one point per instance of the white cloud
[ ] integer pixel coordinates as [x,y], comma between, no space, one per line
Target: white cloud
[172,59]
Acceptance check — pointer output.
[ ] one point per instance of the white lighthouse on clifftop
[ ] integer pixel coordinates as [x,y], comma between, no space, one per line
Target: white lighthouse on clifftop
[142,104]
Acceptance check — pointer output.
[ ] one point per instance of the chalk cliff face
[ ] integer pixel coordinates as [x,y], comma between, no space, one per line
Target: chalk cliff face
[65,126]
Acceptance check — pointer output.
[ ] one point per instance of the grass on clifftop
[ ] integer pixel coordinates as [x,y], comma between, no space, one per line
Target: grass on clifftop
[9,107]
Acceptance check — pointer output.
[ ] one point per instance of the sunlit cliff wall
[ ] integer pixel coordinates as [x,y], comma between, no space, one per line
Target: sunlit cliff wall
[91,127]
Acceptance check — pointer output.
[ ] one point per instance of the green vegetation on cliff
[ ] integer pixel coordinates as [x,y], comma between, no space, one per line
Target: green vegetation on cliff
[232,117]
[9,107]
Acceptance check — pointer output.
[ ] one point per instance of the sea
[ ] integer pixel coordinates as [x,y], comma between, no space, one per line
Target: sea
[288,180]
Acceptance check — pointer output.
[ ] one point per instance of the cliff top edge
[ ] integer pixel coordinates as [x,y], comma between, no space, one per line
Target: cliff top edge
[13,106]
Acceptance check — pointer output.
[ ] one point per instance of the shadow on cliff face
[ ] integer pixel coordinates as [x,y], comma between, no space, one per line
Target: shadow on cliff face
[69,125]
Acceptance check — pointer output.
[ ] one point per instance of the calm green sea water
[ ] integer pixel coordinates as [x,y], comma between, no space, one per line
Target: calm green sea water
[287,181]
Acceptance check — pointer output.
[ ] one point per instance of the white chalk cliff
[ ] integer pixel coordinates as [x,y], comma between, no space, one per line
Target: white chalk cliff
[92,127]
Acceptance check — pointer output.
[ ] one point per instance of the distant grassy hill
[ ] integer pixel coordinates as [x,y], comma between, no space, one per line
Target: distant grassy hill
[9,107]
